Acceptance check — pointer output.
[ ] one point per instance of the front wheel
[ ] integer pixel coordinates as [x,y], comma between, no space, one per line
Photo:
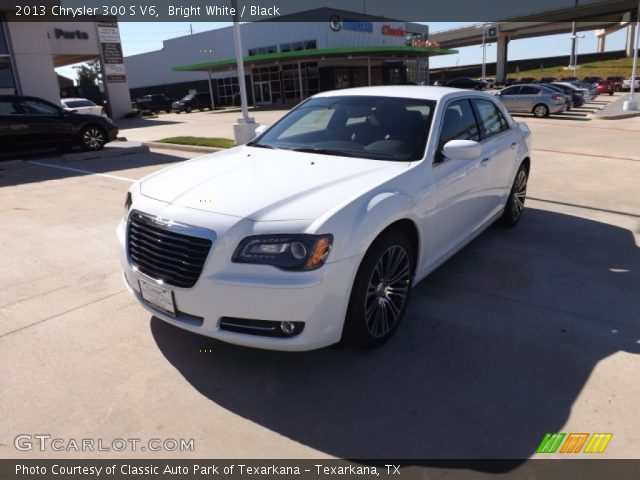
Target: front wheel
[541,110]
[92,138]
[380,292]
[514,208]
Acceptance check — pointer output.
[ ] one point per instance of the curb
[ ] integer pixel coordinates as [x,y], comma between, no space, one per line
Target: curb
[617,116]
[184,148]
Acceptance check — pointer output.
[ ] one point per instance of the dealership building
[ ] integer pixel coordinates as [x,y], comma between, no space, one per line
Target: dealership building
[287,61]
[31,51]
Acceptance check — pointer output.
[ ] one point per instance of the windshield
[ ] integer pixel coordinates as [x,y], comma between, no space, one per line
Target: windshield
[78,103]
[379,128]
[186,98]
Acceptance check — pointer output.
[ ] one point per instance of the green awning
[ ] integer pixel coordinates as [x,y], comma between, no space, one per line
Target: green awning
[383,50]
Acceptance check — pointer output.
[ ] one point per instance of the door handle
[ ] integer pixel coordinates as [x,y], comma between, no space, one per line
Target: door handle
[484,161]
[514,145]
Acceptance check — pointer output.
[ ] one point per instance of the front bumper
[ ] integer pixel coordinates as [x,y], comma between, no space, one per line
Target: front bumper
[318,298]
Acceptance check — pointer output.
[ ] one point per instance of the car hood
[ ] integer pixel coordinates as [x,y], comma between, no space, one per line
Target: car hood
[267,185]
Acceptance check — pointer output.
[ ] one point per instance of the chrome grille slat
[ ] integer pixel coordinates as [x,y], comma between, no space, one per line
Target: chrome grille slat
[138,245]
[164,237]
[162,253]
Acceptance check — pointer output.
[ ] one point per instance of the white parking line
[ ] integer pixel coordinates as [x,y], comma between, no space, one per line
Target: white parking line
[79,170]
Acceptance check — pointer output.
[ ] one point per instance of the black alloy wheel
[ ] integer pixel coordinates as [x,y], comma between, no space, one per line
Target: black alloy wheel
[380,291]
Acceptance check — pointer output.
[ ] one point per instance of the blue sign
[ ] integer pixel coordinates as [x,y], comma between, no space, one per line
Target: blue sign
[357,26]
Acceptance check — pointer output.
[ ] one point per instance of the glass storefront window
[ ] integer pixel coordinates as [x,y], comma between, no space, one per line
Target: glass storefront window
[7,84]
[4,48]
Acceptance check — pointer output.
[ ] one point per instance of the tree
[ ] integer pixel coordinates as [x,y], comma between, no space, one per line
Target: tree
[88,73]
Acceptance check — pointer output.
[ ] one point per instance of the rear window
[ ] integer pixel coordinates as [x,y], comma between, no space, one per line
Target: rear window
[79,103]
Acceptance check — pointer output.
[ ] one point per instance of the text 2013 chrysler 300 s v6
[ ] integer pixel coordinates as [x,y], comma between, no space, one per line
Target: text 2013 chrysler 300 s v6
[317,229]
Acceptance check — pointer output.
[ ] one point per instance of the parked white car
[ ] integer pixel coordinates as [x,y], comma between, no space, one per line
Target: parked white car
[317,229]
[626,84]
[82,105]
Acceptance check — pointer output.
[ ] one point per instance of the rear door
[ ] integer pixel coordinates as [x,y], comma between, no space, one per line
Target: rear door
[500,145]
[527,98]
[509,96]
[48,124]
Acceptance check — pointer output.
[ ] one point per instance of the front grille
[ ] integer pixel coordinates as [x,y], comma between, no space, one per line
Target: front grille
[163,254]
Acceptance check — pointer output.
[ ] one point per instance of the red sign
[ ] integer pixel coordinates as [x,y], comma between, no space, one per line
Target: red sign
[393,31]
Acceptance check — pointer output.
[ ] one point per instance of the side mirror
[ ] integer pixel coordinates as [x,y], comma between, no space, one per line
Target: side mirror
[261,129]
[462,150]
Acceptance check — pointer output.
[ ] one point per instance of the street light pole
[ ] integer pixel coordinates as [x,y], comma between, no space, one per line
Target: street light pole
[484,54]
[575,54]
[245,129]
[631,103]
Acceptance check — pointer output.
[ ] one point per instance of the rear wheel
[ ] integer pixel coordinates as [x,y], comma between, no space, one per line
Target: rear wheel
[92,138]
[380,291]
[188,109]
[541,110]
[514,208]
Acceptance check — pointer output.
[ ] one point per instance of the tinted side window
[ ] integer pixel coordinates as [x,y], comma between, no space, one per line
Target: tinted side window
[458,123]
[528,91]
[33,107]
[7,107]
[490,117]
[510,91]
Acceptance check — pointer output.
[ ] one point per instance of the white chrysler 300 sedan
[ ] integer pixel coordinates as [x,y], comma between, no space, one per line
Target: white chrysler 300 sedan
[317,229]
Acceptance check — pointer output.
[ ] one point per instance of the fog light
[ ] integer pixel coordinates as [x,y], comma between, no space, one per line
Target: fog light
[287,328]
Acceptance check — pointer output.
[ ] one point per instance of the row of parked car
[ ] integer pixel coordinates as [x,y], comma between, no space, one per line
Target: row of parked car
[610,85]
[164,103]
[543,99]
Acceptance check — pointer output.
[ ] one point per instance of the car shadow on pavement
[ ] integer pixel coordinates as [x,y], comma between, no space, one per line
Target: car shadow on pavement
[496,346]
[32,170]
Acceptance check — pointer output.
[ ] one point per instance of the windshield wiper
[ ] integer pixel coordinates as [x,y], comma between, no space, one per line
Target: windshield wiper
[321,151]
[262,145]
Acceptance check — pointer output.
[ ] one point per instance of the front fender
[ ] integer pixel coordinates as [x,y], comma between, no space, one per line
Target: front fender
[356,225]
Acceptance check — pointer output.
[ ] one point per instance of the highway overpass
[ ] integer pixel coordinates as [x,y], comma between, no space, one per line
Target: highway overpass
[605,16]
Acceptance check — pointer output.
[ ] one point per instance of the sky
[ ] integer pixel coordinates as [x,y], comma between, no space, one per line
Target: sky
[140,37]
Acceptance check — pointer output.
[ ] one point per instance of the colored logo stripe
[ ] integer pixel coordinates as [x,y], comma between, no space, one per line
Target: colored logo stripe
[574,442]
[550,443]
[598,442]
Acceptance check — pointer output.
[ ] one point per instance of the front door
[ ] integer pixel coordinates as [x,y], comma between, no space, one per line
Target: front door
[455,186]
[262,92]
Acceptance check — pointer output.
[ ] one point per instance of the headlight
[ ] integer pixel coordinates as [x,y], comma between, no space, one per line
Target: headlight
[127,205]
[288,252]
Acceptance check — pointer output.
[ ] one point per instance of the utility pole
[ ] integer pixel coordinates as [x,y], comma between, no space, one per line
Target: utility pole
[631,103]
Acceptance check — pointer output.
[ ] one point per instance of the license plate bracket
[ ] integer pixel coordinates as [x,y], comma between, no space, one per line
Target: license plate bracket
[158,296]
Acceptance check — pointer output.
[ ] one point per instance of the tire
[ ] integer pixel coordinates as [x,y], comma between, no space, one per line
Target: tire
[378,300]
[610,93]
[167,111]
[514,207]
[92,138]
[188,109]
[540,110]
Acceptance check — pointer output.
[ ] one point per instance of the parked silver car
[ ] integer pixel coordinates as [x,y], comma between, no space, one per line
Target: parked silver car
[529,98]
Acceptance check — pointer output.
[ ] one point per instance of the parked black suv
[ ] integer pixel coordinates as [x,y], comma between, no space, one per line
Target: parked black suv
[154,102]
[193,101]
[30,123]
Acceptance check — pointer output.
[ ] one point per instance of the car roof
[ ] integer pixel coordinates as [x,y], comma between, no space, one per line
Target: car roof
[404,91]
[73,99]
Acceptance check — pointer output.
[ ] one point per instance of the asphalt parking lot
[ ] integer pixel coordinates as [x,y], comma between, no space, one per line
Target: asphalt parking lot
[524,332]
